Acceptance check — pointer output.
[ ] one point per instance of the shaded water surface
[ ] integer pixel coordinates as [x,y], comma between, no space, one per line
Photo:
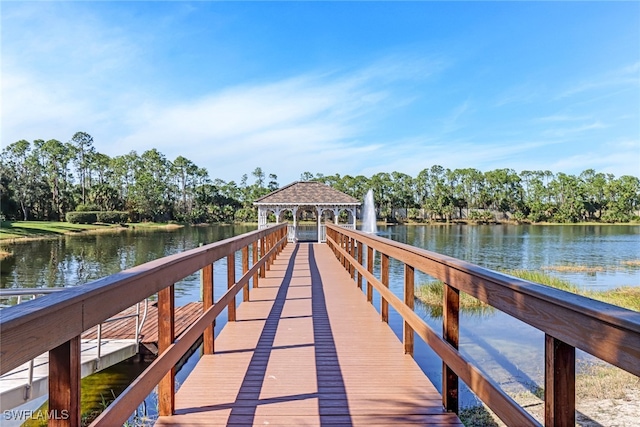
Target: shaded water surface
[508,350]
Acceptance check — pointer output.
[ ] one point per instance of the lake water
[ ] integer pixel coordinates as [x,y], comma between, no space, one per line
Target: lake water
[507,350]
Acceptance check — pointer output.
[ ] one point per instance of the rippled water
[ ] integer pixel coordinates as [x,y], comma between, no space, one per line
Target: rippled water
[508,350]
[499,247]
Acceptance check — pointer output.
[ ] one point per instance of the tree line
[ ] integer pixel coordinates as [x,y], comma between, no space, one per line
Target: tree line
[44,180]
[438,193]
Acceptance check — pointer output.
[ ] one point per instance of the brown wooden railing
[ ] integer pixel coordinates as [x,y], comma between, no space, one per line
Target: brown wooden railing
[569,321]
[54,323]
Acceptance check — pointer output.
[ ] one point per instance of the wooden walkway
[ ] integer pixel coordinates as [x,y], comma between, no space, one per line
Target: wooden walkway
[307,350]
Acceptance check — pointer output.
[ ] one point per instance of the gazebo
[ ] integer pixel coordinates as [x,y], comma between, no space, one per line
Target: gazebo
[307,196]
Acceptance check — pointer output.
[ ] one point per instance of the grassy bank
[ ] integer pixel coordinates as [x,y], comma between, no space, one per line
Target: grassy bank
[21,230]
[605,395]
[627,296]
[604,392]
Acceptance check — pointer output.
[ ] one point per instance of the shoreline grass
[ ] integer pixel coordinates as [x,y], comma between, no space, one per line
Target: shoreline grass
[574,269]
[432,293]
[595,382]
[20,231]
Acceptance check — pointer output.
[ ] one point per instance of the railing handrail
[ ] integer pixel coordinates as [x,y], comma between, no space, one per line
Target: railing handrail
[38,325]
[129,400]
[14,292]
[568,320]
[55,322]
[600,312]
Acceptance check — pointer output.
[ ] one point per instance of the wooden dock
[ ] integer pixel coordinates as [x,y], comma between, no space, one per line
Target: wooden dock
[124,328]
[18,386]
[307,349]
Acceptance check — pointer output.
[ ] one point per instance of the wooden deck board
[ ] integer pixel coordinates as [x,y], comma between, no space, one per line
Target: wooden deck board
[308,350]
[124,328]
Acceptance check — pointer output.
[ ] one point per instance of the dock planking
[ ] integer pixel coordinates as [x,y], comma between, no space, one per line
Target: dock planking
[307,349]
[118,344]
[124,328]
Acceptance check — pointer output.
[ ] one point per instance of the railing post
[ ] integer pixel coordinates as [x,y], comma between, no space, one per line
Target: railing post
[343,245]
[231,280]
[384,271]
[166,336]
[27,392]
[370,270]
[409,295]
[347,249]
[450,332]
[360,247]
[352,252]
[268,242]
[99,339]
[263,246]
[272,237]
[64,384]
[559,383]
[254,260]
[245,268]
[283,234]
[335,236]
[207,302]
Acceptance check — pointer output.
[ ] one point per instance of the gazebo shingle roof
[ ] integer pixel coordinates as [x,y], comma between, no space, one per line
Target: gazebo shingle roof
[307,192]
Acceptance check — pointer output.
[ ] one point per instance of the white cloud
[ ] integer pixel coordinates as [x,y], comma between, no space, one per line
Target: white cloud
[81,72]
[561,132]
[523,93]
[628,76]
[303,123]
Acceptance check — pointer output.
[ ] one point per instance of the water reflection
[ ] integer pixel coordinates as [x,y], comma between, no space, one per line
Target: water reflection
[74,260]
[509,351]
[529,247]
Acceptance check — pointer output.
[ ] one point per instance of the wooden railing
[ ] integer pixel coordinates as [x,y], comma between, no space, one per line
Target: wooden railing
[54,323]
[569,321]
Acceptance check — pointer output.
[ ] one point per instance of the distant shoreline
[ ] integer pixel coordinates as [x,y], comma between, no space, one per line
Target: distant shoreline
[24,231]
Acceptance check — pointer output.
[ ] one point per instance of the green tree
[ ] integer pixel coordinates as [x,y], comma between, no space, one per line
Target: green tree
[402,191]
[83,144]
[23,172]
[567,191]
[273,182]
[306,176]
[151,195]
[382,193]
[504,189]
[594,191]
[56,158]
[184,172]
[623,199]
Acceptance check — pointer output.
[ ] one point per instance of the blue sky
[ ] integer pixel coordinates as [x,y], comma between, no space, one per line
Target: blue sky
[331,87]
